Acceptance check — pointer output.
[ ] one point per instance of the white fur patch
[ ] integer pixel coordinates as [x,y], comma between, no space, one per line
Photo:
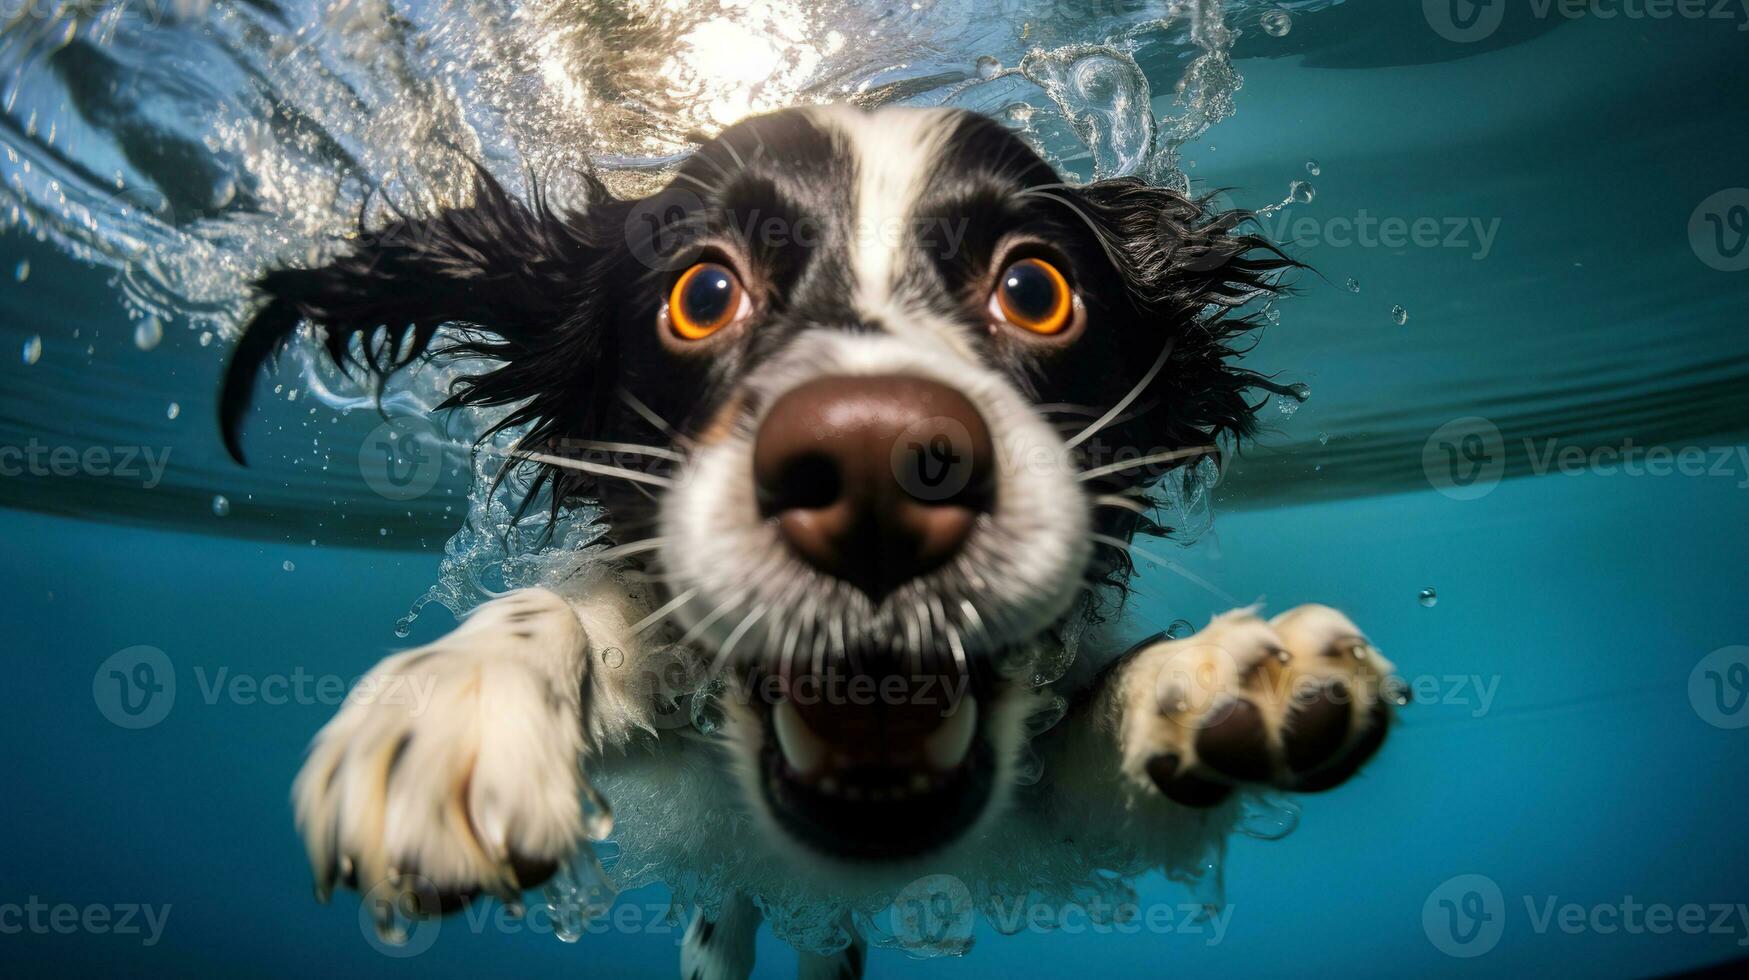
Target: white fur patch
[481,767]
[895,150]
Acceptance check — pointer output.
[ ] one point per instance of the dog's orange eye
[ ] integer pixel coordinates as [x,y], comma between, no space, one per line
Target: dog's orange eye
[706,298]
[1033,296]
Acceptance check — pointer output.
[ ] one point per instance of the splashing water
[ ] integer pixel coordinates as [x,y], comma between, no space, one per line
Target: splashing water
[190,144]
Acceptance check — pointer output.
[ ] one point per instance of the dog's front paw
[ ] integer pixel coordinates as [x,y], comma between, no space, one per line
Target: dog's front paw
[457,766]
[1299,702]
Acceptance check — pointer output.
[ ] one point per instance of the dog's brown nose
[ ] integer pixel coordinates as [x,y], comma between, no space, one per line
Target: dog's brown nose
[874,480]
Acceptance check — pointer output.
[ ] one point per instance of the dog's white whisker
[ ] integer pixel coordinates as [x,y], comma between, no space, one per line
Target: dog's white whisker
[702,626]
[630,548]
[1124,402]
[1118,500]
[1167,564]
[969,608]
[599,469]
[630,448]
[735,635]
[667,609]
[1110,468]
[649,415]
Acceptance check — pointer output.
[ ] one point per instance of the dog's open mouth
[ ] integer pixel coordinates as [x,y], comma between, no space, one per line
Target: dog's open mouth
[876,766]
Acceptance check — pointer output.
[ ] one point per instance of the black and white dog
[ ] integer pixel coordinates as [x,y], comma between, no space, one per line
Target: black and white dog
[860,373]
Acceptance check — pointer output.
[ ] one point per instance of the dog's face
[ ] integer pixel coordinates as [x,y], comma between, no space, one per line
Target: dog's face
[891,377]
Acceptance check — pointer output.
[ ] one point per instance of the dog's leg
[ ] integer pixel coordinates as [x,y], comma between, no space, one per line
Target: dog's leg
[455,768]
[721,947]
[1297,703]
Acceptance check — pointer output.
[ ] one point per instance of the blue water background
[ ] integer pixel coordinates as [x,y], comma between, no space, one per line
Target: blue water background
[1588,599]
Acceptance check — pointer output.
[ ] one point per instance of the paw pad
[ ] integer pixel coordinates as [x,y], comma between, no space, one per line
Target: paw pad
[1299,703]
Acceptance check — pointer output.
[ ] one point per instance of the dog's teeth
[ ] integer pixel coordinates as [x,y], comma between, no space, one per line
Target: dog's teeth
[947,747]
[801,748]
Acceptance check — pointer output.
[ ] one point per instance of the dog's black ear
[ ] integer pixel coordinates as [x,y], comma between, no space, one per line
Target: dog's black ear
[517,272]
[1189,269]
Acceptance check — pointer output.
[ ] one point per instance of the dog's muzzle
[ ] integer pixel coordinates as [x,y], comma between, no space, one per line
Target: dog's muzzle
[876,752]
[874,481]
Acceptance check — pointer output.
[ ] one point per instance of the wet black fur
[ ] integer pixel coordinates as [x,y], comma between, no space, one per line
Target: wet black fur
[566,302]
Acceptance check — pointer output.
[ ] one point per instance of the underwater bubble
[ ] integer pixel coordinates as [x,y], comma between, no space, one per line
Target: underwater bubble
[1323,438]
[1352,285]
[1396,691]
[705,713]
[1287,406]
[1301,192]
[149,333]
[21,272]
[172,410]
[1276,23]
[288,565]
[597,815]
[579,893]
[1313,168]
[1179,629]
[221,506]
[1428,597]
[1272,316]
[1399,316]
[1019,113]
[988,66]
[403,626]
[1050,663]
[1269,818]
[33,349]
[1046,717]
[1300,391]
[613,657]
[206,338]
